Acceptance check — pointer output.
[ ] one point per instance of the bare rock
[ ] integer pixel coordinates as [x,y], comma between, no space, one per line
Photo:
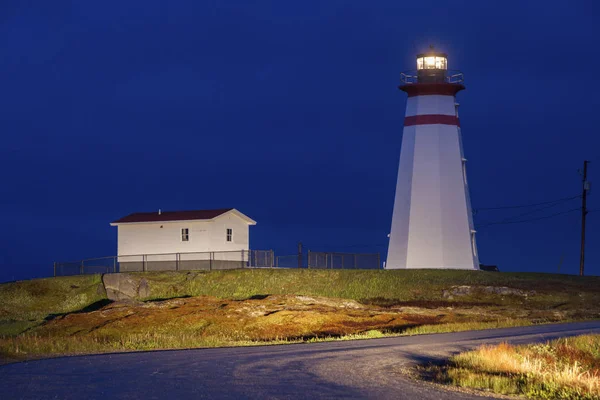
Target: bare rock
[124,287]
[143,289]
[100,290]
[170,303]
[458,291]
[331,302]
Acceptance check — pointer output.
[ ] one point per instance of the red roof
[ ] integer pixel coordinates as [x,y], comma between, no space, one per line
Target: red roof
[172,216]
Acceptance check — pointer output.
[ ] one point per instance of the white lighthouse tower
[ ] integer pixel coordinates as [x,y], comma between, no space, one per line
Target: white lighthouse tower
[432,225]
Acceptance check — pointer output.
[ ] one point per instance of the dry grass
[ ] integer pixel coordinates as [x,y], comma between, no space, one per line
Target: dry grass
[207,321]
[567,368]
[202,321]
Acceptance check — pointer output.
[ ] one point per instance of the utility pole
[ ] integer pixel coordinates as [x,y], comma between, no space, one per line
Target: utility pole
[562,257]
[299,254]
[585,188]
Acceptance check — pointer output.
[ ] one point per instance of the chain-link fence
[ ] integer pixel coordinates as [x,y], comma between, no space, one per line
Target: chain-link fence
[291,261]
[101,265]
[261,259]
[323,260]
[214,260]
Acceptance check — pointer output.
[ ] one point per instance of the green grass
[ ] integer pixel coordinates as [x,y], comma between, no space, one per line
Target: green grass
[400,285]
[567,368]
[38,298]
[467,326]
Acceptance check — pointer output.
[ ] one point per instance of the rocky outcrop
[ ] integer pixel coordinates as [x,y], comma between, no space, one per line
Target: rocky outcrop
[331,302]
[458,291]
[124,287]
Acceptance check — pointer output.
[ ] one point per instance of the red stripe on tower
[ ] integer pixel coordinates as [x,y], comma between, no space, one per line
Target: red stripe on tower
[426,89]
[431,119]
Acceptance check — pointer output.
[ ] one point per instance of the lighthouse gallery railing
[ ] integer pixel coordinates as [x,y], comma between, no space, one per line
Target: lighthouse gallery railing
[411,77]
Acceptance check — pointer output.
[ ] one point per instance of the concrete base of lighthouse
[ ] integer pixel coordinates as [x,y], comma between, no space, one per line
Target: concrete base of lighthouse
[432,223]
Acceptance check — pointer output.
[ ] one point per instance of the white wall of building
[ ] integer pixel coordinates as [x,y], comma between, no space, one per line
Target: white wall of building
[218,233]
[165,237]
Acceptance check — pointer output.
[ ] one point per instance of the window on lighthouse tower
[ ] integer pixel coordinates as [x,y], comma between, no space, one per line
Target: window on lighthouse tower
[432,62]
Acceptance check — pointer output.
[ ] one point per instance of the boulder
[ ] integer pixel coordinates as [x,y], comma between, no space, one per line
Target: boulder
[125,287]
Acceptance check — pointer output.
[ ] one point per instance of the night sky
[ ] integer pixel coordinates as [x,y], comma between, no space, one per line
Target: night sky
[289,112]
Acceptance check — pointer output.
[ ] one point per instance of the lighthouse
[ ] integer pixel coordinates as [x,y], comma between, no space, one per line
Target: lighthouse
[432,223]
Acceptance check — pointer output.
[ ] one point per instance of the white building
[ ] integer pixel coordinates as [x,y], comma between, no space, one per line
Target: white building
[432,225]
[172,240]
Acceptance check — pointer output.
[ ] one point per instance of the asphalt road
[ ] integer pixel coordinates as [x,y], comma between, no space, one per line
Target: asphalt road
[363,369]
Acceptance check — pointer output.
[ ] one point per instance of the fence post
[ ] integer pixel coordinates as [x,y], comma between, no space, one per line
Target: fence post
[177,261]
[242,258]
[271,254]
[115,264]
[308,259]
[143,262]
[212,254]
[379,266]
[54,268]
[81,268]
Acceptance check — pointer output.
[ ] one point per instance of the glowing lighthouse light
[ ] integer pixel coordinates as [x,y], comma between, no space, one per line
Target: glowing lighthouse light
[432,225]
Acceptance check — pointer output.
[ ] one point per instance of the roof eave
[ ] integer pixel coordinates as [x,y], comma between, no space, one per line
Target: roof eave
[240,214]
[160,222]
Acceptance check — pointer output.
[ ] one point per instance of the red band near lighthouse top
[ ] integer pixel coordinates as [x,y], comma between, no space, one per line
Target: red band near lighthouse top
[425,89]
[431,119]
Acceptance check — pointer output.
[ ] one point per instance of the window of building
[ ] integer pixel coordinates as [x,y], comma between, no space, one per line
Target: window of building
[229,234]
[185,235]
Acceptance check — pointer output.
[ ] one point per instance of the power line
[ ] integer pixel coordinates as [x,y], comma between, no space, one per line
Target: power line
[531,219]
[528,205]
[585,186]
[522,214]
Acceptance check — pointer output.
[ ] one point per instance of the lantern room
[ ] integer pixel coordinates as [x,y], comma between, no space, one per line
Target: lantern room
[432,67]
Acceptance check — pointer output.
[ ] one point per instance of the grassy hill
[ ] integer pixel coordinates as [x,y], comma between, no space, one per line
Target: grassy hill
[195,308]
[25,304]
[399,285]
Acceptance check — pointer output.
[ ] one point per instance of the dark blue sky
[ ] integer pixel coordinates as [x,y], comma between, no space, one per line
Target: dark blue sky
[290,112]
